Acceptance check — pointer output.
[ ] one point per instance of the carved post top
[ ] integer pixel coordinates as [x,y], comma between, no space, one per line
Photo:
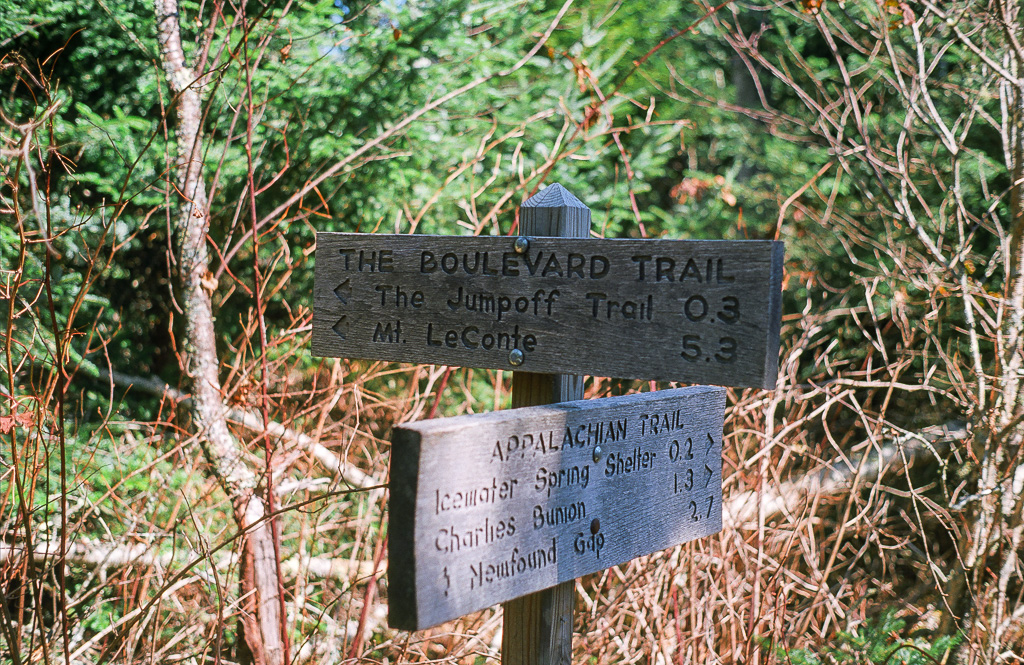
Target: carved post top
[553,196]
[538,627]
[554,211]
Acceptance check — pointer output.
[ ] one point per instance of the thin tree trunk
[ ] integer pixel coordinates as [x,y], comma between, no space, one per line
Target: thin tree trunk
[1009,431]
[263,623]
[1012,361]
[993,542]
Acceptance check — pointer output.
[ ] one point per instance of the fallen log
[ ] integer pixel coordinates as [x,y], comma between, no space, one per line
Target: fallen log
[111,556]
[352,475]
[741,509]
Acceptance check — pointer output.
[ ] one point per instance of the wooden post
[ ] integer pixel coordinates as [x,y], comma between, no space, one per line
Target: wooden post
[537,628]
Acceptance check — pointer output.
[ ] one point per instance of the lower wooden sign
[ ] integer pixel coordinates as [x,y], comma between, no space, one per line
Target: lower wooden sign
[490,507]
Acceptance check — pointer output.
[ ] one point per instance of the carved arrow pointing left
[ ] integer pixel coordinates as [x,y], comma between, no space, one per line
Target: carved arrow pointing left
[341,327]
[343,291]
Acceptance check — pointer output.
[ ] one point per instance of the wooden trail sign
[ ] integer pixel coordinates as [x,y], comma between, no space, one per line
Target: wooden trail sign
[473,524]
[697,311]
[489,507]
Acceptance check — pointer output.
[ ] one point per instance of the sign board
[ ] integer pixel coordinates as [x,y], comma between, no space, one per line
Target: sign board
[489,507]
[697,311]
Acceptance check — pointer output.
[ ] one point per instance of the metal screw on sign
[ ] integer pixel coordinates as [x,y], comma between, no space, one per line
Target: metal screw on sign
[633,506]
[577,305]
[695,311]
[537,628]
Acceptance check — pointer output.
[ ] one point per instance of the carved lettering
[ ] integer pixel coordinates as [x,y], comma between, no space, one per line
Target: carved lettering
[602,307]
[558,515]
[695,347]
[518,445]
[593,542]
[548,480]
[618,464]
[595,433]
[470,337]
[510,502]
[384,332]
[682,482]
[660,423]
[368,260]
[713,307]
[516,564]
[455,539]
[540,264]
[471,497]
[667,269]
[402,298]
[499,305]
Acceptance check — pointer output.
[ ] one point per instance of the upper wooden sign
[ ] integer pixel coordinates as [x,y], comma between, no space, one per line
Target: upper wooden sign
[490,507]
[697,311]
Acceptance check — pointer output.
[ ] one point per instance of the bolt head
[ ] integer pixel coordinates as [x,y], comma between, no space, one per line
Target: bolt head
[516,357]
[521,244]
[595,526]
[597,453]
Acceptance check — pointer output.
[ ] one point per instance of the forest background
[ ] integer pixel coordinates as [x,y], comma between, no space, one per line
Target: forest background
[180,481]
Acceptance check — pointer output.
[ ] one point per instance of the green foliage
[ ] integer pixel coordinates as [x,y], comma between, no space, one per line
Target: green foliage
[329,78]
[879,641]
[692,142]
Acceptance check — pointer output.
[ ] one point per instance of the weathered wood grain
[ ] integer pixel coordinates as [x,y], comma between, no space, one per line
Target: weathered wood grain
[692,311]
[537,628]
[490,507]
